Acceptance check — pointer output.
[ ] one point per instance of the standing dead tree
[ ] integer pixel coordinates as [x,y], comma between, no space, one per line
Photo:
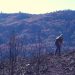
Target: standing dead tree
[12,53]
[1,62]
[38,40]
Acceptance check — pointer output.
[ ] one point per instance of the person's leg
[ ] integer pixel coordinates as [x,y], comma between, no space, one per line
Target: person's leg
[59,51]
[56,50]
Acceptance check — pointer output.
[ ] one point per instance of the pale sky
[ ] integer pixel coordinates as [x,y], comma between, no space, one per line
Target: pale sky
[35,6]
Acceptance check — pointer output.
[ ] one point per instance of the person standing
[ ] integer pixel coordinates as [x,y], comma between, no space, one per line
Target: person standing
[58,43]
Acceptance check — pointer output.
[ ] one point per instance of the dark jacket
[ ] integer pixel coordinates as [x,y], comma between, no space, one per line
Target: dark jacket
[59,41]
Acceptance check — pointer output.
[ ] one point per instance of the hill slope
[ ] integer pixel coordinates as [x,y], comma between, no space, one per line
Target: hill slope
[44,65]
[29,26]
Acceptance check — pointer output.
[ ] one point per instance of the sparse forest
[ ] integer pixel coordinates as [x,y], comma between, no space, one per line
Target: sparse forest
[27,43]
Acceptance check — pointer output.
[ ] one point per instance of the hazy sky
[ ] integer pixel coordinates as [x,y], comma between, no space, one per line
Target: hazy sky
[35,6]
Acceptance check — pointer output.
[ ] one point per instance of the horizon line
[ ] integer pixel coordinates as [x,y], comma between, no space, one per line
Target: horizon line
[2,12]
